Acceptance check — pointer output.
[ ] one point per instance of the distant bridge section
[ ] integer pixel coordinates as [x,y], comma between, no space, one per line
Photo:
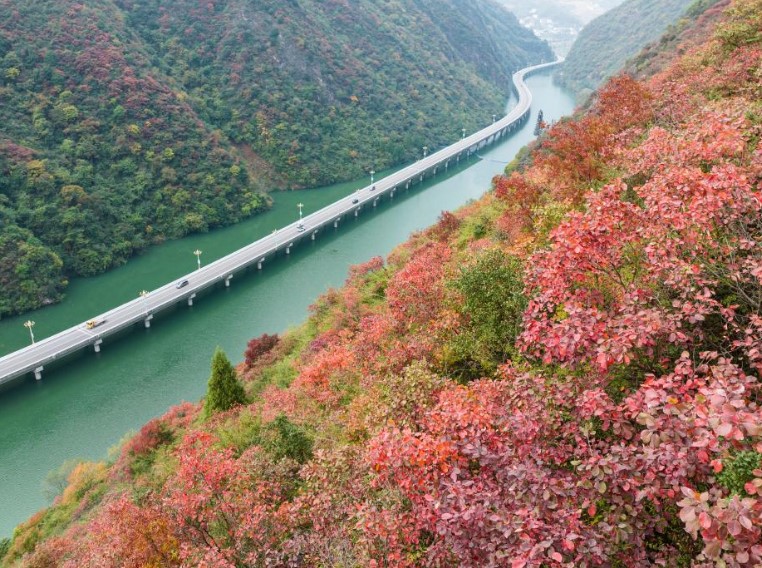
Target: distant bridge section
[32,359]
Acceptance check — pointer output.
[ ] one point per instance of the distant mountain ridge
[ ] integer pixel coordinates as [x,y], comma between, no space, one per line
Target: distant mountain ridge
[606,43]
[558,21]
[124,123]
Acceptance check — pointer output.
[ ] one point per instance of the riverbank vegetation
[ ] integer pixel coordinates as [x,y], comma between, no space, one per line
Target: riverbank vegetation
[127,123]
[565,373]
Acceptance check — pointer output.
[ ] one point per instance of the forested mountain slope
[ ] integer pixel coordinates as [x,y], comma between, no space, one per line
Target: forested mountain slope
[125,123]
[605,44]
[565,373]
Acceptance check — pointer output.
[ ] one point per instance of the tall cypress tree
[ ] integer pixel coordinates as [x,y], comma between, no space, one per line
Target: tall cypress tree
[224,390]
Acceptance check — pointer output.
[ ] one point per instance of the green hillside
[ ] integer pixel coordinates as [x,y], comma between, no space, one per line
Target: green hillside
[124,123]
[606,43]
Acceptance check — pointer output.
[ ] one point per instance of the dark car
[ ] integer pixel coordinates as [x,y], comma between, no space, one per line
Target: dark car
[181,284]
[355,200]
[373,188]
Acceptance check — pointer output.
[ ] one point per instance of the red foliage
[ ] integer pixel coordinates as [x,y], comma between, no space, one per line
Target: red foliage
[156,432]
[445,226]
[130,536]
[259,347]
[225,515]
[625,278]
[415,293]
[318,379]
[149,438]
[358,270]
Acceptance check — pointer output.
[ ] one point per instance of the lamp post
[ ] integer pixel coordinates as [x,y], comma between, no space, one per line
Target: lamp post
[144,294]
[372,173]
[425,151]
[300,205]
[494,116]
[198,258]
[463,133]
[29,324]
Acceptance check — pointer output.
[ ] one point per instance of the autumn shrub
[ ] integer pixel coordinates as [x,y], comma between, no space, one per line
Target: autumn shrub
[259,347]
[415,292]
[153,434]
[445,227]
[224,508]
[56,480]
[357,271]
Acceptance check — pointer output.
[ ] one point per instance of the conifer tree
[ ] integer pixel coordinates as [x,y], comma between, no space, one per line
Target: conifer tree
[224,390]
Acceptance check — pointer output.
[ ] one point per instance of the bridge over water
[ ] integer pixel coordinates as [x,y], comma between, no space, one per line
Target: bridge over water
[33,358]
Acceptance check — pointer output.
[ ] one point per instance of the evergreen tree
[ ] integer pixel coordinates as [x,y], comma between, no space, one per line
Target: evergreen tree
[224,390]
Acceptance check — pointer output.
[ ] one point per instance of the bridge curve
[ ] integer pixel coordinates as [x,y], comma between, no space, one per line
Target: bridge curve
[33,358]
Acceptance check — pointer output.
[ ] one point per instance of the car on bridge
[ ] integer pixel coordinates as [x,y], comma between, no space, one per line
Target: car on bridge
[355,200]
[181,284]
[91,324]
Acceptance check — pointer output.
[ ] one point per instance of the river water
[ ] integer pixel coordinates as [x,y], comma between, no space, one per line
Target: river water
[86,405]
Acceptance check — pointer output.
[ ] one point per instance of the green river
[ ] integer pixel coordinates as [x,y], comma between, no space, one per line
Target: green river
[86,405]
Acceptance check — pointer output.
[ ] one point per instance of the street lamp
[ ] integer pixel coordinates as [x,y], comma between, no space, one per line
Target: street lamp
[29,324]
[372,173]
[425,151]
[198,258]
[493,118]
[144,294]
[300,205]
[463,135]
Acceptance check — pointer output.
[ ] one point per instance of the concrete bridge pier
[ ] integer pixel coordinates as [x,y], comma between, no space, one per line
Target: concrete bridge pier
[147,320]
[313,235]
[407,185]
[357,211]
[190,299]
[391,193]
[288,248]
[97,345]
[375,202]
[435,170]
[336,224]
[421,177]
[228,278]
[38,373]
[259,263]
[447,163]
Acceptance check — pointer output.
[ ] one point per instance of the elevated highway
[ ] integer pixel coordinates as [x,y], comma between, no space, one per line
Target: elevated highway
[32,359]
